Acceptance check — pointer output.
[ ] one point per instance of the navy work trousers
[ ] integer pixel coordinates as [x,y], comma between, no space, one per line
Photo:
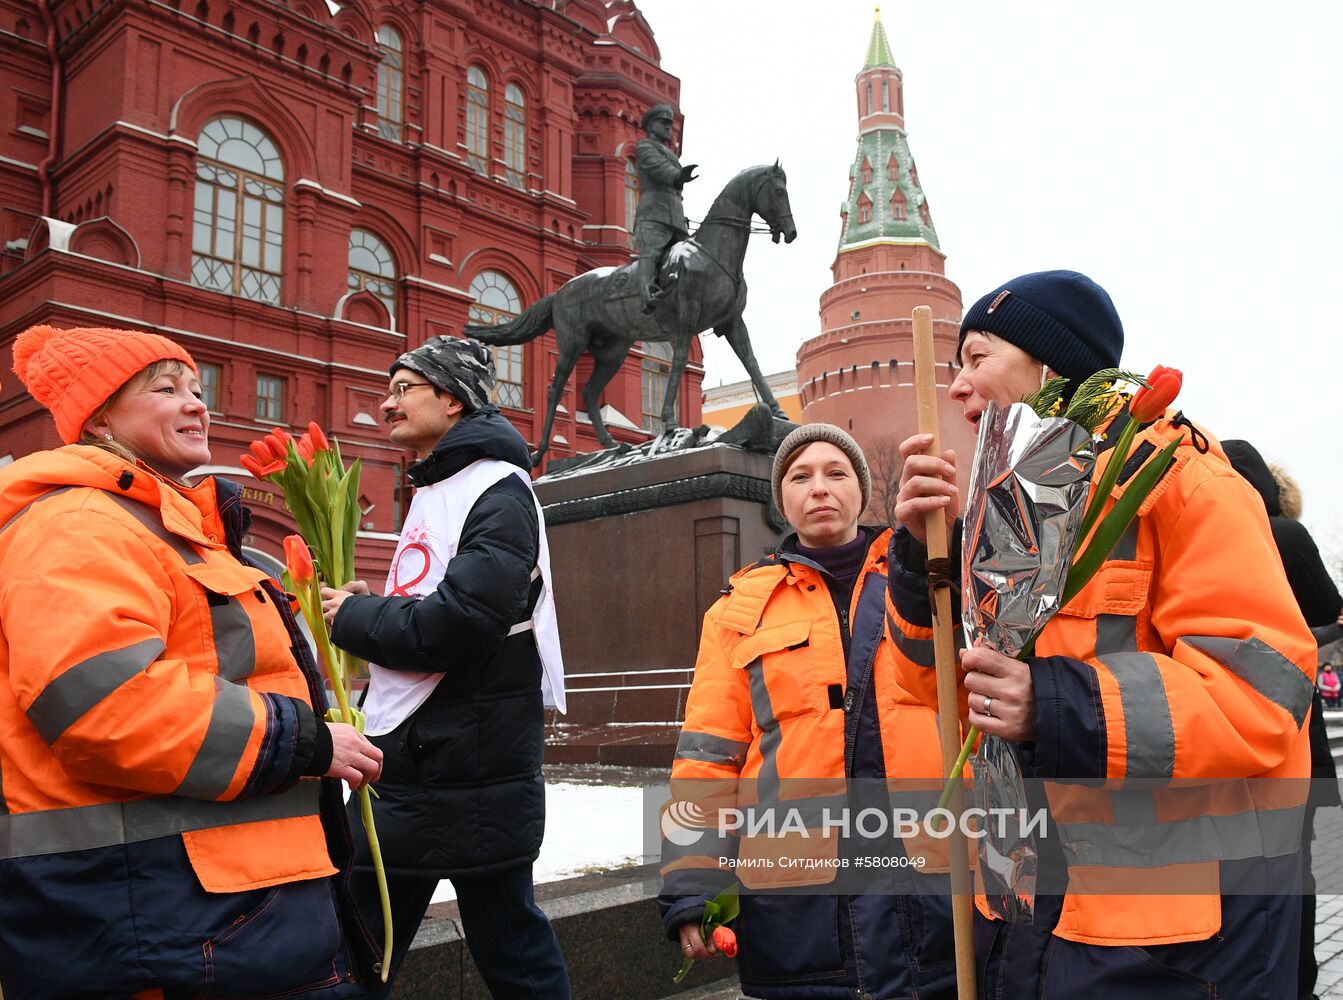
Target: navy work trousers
[511,941]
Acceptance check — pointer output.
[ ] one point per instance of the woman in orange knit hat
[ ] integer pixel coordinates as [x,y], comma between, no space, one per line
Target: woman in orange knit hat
[162,827]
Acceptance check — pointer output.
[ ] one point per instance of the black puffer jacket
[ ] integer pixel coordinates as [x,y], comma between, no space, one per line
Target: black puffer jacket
[461,790]
[1315,593]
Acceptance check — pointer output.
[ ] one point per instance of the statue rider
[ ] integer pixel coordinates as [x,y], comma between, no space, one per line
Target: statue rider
[660,219]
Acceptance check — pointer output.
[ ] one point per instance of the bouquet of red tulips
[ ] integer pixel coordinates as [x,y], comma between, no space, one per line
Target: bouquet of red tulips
[322,495]
[318,490]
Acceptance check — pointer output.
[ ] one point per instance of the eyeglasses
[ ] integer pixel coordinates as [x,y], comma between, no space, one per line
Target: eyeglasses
[399,389]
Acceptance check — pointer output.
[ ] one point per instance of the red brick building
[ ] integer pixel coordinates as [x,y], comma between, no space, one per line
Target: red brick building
[297,196]
[859,371]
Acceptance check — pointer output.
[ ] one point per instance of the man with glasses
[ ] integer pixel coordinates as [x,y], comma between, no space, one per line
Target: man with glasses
[463,651]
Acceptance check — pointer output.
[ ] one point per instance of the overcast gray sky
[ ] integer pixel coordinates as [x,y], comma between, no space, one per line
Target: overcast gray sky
[1185,155]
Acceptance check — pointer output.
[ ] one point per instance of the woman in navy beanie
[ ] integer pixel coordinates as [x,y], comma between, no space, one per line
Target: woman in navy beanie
[1153,709]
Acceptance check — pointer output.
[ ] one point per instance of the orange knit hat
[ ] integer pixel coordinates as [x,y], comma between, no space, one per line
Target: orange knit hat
[73,372]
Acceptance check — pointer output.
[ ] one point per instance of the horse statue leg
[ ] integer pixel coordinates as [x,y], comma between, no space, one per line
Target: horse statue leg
[569,353]
[607,358]
[680,357]
[734,331]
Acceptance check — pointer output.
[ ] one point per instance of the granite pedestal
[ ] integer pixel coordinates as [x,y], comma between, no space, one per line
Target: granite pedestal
[638,553]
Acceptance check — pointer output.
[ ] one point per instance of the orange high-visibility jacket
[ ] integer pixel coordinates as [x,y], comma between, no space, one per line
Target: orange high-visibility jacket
[1185,664]
[140,665]
[766,716]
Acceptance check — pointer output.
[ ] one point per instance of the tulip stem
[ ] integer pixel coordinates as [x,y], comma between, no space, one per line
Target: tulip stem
[685,967]
[958,767]
[366,814]
[309,598]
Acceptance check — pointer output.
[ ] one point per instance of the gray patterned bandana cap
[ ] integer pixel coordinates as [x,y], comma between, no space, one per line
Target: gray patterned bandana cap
[458,365]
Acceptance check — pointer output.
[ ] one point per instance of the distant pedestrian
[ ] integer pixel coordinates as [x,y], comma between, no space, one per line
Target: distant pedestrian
[1330,685]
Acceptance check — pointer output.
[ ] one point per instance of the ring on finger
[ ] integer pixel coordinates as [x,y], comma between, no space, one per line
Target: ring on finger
[988,706]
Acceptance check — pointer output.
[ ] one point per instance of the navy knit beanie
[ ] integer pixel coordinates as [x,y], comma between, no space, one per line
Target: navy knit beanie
[1060,318]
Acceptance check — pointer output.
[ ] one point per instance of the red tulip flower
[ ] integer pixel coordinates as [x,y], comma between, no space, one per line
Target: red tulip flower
[261,469]
[305,449]
[725,941]
[262,452]
[298,560]
[278,443]
[1163,385]
[318,437]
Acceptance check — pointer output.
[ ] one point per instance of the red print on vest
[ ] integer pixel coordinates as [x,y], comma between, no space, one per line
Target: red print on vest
[400,589]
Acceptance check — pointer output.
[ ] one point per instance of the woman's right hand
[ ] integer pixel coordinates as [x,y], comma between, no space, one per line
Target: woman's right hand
[926,483]
[693,944]
[354,759]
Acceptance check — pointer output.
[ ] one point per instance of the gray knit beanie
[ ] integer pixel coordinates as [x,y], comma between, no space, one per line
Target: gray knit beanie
[808,434]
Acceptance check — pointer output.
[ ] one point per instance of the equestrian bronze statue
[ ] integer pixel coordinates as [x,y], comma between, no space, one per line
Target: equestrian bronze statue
[701,284]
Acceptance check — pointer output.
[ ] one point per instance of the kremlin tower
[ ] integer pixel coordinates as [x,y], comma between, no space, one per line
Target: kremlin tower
[859,372]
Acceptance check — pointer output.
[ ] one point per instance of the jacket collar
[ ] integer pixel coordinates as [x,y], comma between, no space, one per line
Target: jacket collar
[185,511]
[787,554]
[482,433]
[750,589]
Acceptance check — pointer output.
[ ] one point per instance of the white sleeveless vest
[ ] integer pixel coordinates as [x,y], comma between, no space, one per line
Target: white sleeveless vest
[429,540]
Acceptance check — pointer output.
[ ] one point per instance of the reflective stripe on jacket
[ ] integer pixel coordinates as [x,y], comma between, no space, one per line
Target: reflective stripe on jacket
[1183,662]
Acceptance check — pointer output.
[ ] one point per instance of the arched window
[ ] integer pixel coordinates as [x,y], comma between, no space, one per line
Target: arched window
[926,215]
[870,108]
[631,197]
[865,172]
[477,120]
[391,83]
[892,168]
[515,136]
[371,267]
[885,94]
[238,221]
[497,301]
[655,374]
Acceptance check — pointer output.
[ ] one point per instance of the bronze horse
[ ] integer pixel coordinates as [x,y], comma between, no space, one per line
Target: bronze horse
[599,312]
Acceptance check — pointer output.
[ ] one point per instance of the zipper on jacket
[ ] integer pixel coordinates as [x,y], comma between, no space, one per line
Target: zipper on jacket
[851,705]
[855,694]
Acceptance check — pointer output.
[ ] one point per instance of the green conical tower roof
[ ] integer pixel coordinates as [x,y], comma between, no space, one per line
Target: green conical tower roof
[885,199]
[878,49]
[885,202]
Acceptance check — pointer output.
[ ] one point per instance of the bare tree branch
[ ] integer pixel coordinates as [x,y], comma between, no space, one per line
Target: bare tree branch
[885,464]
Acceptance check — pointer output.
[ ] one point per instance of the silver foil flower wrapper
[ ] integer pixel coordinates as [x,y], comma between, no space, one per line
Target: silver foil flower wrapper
[1028,494]
[1008,858]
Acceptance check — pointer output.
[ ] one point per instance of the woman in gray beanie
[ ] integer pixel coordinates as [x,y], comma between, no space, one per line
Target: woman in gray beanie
[1167,668]
[795,687]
